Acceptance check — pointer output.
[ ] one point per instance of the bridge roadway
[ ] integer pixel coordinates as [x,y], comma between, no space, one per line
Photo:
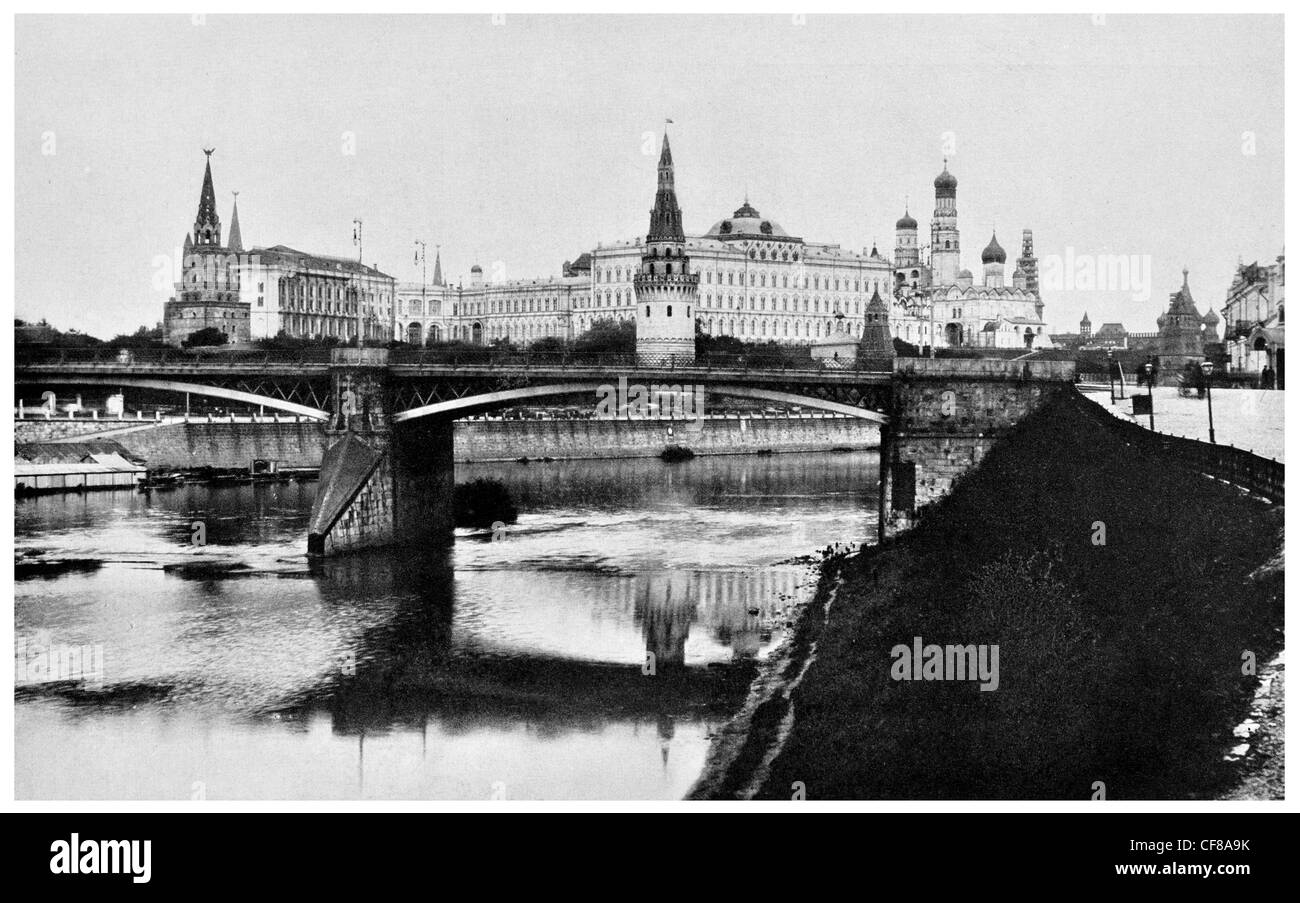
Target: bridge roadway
[441,383]
[53,363]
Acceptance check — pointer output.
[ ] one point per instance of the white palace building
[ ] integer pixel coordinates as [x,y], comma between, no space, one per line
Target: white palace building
[757,282]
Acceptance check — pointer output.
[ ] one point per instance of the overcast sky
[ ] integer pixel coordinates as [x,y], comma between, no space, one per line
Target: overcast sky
[520,144]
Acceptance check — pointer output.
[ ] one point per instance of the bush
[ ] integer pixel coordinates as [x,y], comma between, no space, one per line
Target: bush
[205,337]
[905,349]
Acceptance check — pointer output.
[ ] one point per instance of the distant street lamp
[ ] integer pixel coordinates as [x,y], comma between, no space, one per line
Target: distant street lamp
[1207,367]
[1110,371]
[1151,393]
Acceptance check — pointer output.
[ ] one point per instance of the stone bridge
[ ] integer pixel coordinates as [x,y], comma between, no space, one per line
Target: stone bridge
[388,476]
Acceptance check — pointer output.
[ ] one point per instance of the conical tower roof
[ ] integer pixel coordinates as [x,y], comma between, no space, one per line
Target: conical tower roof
[207,225]
[666,217]
[236,241]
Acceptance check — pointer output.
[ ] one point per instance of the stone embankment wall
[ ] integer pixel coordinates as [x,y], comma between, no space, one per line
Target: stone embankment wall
[223,444]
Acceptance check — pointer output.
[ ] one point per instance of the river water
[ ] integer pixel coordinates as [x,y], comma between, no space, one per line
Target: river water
[587,652]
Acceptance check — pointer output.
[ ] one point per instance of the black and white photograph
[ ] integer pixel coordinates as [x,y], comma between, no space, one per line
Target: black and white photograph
[754,407]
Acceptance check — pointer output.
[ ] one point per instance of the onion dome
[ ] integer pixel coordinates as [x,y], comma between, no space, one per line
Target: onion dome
[994,253]
[906,223]
[476,269]
[965,274]
[1210,318]
[945,184]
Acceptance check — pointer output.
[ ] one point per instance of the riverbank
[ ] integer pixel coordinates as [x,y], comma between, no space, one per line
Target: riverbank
[1120,655]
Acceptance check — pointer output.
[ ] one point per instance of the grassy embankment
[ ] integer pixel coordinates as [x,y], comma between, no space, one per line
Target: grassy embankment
[1119,663]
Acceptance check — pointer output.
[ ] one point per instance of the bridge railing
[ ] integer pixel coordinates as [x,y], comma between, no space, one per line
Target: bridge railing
[1263,476]
[496,358]
[119,357]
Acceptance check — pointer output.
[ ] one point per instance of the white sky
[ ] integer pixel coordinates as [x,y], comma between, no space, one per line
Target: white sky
[520,145]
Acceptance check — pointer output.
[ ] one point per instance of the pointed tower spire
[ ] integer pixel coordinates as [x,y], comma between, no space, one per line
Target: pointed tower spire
[236,241]
[666,217]
[437,266]
[207,225]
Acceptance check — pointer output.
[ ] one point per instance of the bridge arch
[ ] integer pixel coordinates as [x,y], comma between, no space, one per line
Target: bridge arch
[488,401]
[180,387]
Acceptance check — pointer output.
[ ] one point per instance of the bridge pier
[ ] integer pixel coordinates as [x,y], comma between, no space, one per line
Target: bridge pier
[380,484]
[385,489]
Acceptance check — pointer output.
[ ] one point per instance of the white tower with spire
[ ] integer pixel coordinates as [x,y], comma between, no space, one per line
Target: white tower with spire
[666,290]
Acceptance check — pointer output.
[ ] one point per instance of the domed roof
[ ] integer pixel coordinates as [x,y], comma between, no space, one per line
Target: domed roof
[476,269]
[746,221]
[994,253]
[965,274]
[945,183]
[906,222]
[1210,317]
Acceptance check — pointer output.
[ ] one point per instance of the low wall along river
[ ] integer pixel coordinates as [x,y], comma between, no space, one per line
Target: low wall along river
[171,445]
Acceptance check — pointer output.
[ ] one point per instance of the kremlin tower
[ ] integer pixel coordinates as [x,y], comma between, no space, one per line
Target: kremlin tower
[666,290]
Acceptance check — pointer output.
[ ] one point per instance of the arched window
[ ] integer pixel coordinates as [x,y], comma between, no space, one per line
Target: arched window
[647,311]
[670,310]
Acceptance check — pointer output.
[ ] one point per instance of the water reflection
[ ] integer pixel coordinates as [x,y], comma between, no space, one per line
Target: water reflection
[589,653]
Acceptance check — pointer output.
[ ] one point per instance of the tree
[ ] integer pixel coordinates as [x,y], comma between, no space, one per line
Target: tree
[144,337]
[608,336]
[207,336]
[548,345]
[905,349]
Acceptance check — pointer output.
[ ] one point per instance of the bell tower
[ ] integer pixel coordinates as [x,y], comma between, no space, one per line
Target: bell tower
[945,240]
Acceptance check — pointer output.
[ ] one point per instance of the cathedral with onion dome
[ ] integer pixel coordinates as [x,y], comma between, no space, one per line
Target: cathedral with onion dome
[942,296]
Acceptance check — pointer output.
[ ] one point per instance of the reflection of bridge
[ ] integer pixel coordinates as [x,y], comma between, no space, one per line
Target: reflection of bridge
[389,476]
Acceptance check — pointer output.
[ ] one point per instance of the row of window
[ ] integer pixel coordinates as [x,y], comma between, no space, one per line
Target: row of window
[762,279]
[759,302]
[802,329]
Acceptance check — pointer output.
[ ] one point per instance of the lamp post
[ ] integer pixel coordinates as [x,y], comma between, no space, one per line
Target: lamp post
[1110,371]
[424,285]
[361,319]
[1151,393]
[1207,368]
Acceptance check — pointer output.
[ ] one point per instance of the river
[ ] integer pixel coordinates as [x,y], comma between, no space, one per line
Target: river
[587,652]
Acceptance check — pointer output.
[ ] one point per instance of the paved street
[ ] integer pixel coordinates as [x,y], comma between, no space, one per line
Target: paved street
[1247,418]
